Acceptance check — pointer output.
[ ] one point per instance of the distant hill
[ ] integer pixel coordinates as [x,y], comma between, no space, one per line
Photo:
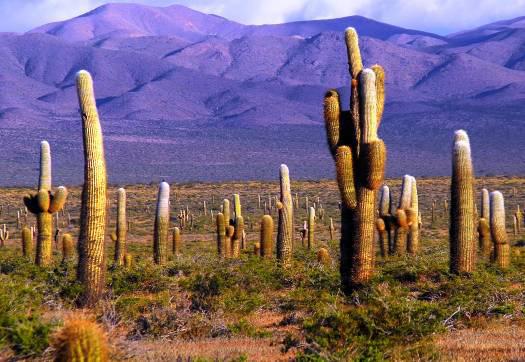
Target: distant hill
[189,96]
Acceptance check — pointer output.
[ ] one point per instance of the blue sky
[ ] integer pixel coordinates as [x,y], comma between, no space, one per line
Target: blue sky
[438,16]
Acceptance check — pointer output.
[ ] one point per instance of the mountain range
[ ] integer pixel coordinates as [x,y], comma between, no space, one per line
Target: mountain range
[187,96]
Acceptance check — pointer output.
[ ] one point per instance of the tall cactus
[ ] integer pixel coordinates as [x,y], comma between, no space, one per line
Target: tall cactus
[162,224]
[226,211]
[44,204]
[237,205]
[266,239]
[462,244]
[91,257]
[498,230]
[285,226]
[413,220]
[360,162]
[311,228]
[221,236]
[485,243]
[122,227]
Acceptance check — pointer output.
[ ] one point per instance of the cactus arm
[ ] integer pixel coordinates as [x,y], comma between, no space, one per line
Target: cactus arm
[44,179]
[355,63]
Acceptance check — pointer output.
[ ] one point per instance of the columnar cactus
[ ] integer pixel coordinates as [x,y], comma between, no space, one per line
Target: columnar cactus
[462,244]
[413,220]
[331,229]
[177,242]
[498,230]
[384,225]
[485,243]
[230,231]
[80,340]
[67,247]
[27,242]
[285,226]
[122,227]
[323,257]
[44,204]
[162,224]
[91,257]
[237,236]
[311,228]
[221,236]
[237,205]
[226,211]
[360,162]
[519,219]
[401,216]
[266,239]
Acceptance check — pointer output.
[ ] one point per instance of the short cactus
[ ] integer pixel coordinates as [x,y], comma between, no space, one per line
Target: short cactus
[311,228]
[266,239]
[177,242]
[257,249]
[360,162]
[462,243]
[80,340]
[4,235]
[162,224]
[67,247]
[285,226]
[91,256]
[27,242]
[498,230]
[44,204]
[323,257]
[122,228]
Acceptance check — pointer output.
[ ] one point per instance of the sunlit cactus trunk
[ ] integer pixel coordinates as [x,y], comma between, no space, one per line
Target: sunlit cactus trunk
[360,162]
[285,226]
[266,239]
[91,262]
[237,209]
[162,224]
[311,228]
[413,220]
[498,230]
[462,242]
[122,226]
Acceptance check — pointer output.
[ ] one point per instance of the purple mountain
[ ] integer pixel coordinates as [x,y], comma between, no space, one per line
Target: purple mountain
[189,96]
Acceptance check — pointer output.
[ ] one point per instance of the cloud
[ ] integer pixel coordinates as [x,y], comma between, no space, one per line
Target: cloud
[441,16]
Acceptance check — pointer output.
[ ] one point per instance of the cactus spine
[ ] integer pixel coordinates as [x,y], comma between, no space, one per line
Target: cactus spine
[80,340]
[44,204]
[462,245]
[413,220]
[266,239]
[27,242]
[221,236]
[177,242]
[285,226]
[91,256]
[498,230]
[311,228]
[162,224]
[360,161]
[122,226]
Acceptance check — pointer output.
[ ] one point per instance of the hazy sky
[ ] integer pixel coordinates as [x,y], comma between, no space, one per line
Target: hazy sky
[439,16]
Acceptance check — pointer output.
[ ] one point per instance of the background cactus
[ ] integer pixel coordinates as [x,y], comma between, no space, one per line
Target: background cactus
[402,220]
[266,239]
[413,220]
[285,226]
[226,211]
[122,227]
[177,242]
[462,244]
[67,247]
[221,236]
[485,244]
[91,255]
[162,224]
[519,219]
[498,230]
[80,340]
[237,209]
[237,236]
[27,242]
[311,228]
[360,161]
[44,204]
[385,226]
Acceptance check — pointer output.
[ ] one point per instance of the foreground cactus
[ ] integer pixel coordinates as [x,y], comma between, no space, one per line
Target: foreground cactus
[122,227]
[44,204]
[266,239]
[162,224]
[91,257]
[462,244]
[360,162]
[27,242]
[498,230]
[80,340]
[285,226]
